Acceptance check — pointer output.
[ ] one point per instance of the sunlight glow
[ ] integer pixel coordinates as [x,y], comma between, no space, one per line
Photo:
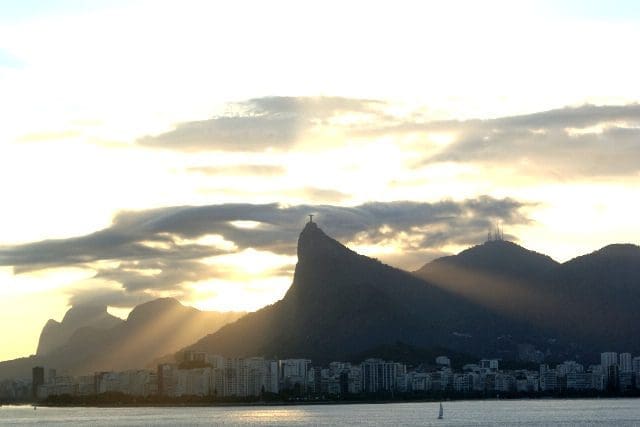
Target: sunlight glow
[251,262]
[224,295]
[250,225]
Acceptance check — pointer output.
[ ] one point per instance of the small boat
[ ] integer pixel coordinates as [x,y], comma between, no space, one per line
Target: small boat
[441,413]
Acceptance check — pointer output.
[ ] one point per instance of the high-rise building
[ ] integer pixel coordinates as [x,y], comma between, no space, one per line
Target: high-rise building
[635,364]
[613,378]
[37,379]
[548,379]
[294,374]
[624,361]
[167,379]
[378,375]
[608,358]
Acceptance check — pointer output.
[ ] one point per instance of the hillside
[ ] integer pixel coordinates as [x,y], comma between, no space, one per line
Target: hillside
[55,334]
[151,330]
[341,304]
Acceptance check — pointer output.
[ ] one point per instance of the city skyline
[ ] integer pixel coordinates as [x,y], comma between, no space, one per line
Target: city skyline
[210,376]
[152,149]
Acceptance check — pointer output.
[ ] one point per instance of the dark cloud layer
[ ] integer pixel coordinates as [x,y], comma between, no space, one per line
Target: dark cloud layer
[155,250]
[561,143]
[258,124]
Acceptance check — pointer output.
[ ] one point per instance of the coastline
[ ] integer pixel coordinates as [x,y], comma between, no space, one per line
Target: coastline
[300,402]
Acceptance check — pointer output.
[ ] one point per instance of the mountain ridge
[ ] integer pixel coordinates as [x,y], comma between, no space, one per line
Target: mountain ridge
[341,303]
[151,330]
[485,300]
[55,333]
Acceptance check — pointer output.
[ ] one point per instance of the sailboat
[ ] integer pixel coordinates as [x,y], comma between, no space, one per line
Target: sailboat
[441,413]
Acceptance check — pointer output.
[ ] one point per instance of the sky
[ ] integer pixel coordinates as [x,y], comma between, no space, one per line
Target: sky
[156,148]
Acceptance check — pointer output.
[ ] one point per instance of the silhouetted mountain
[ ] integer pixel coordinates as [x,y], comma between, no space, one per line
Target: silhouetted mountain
[484,301]
[151,330]
[54,334]
[341,304]
[601,293]
[588,304]
[498,256]
[502,277]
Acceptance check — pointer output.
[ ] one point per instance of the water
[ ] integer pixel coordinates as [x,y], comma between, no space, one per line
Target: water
[556,412]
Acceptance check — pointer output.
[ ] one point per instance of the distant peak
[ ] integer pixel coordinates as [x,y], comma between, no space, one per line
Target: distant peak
[498,244]
[314,242]
[80,312]
[619,249]
[154,306]
[310,226]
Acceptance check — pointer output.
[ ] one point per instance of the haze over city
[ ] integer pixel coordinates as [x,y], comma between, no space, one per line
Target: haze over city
[153,149]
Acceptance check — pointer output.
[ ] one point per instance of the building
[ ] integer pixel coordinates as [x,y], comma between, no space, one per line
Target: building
[167,379]
[505,383]
[548,379]
[37,379]
[381,376]
[625,381]
[462,383]
[568,367]
[294,374]
[625,362]
[579,381]
[613,378]
[489,365]
[419,381]
[608,359]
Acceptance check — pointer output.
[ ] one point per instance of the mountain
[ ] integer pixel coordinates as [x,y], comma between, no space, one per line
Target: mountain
[503,277]
[507,258]
[54,334]
[486,301]
[601,294]
[589,304]
[341,304]
[151,330]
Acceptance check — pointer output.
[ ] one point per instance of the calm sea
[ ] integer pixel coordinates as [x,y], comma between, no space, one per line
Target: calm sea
[587,412]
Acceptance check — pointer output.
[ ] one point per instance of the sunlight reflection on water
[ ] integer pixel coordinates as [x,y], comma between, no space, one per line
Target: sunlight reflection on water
[586,412]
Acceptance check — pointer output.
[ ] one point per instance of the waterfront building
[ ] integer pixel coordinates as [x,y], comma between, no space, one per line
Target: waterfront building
[294,374]
[608,358]
[380,376]
[548,379]
[578,380]
[37,379]
[625,362]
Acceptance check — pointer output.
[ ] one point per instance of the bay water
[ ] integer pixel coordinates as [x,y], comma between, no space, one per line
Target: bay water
[538,412]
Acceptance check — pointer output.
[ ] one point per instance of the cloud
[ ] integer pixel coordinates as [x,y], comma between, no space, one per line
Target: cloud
[166,249]
[586,141]
[239,170]
[319,194]
[259,124]
[9,60]
[107,296]
[48,136]
[566,143]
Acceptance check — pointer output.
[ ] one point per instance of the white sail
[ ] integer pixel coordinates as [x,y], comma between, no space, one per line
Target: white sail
[441,413]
